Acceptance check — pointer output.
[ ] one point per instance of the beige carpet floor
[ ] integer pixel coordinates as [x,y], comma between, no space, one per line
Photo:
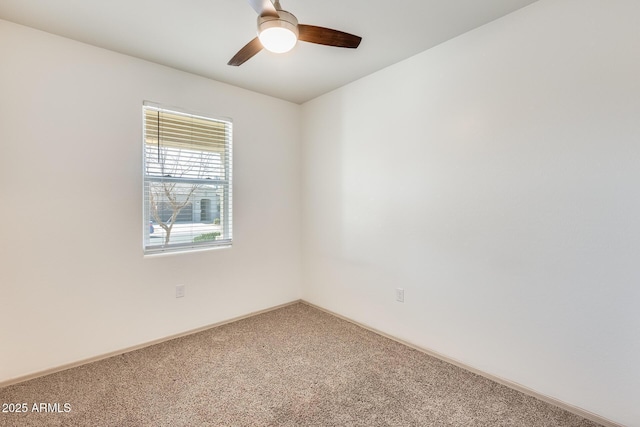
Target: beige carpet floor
[295,366]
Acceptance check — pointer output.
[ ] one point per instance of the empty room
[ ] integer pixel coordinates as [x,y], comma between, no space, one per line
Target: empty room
[320,213]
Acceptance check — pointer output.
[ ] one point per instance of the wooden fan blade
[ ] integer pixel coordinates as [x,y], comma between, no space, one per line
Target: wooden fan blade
[246,53]
[264,7]
[327,36]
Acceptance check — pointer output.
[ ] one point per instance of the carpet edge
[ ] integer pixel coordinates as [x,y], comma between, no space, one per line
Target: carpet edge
[81,362]
[507,383]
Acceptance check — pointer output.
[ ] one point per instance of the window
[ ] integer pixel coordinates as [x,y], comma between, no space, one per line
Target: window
[187,181]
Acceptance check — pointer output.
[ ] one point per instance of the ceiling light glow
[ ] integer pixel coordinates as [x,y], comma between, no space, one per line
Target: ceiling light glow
[278,39]
[278,35]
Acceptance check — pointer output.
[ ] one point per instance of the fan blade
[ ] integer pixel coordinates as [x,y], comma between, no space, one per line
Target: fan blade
[246,53]
[264,7]
[327,36]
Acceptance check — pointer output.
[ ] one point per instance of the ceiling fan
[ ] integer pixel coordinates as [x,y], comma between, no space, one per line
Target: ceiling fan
[278,31]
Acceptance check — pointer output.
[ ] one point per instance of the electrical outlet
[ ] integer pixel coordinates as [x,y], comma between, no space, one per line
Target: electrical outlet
[180,291]
[399,294]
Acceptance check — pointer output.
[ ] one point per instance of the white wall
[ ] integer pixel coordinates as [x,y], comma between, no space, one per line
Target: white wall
[73,280]
[494,178]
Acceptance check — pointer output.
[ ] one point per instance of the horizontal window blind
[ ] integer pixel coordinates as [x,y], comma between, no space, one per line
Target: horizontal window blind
[187,181]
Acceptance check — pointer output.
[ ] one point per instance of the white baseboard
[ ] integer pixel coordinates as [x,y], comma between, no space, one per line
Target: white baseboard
[64,367]
[513,385]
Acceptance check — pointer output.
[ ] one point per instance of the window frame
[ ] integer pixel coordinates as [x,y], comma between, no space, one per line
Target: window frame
[225,181]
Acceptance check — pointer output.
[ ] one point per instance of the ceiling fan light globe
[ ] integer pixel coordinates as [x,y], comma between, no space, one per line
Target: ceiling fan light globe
[278,35]
[278,40]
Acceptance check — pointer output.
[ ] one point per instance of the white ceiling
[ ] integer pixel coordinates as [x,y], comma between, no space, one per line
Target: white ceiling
[200,36]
